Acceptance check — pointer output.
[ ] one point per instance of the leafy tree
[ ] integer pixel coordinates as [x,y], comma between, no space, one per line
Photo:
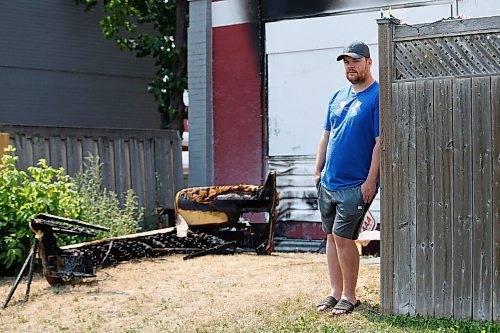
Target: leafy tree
[154,28]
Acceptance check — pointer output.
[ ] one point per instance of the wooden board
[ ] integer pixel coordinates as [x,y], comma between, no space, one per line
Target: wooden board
[462,205]
[424,112]
[386,169]
[495,110]
[443,198]
[482,254]
[4,142]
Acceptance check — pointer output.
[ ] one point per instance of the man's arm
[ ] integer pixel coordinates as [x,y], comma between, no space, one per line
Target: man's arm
[369,187]
[321,156]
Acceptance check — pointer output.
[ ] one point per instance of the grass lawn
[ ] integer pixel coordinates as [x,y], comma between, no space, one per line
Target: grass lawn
[234,293]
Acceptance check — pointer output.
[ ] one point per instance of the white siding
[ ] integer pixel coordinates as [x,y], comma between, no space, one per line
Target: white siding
[298,197]
[478,8]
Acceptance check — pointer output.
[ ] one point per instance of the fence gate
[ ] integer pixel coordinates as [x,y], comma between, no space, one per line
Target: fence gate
[440,134]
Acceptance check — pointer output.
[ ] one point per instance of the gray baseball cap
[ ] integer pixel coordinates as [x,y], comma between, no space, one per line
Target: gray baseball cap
[355,50]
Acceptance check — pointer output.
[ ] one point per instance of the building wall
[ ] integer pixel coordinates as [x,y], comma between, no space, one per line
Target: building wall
[302,74]
[200,93]
[297,72]
[476,8]
[237,104]
[56,68]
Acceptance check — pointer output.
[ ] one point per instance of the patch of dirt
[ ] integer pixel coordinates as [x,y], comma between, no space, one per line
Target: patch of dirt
[174,295]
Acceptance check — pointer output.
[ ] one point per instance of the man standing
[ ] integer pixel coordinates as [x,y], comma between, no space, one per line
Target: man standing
[346,173]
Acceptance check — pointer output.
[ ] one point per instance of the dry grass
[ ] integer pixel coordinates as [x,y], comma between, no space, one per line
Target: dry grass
[238,293]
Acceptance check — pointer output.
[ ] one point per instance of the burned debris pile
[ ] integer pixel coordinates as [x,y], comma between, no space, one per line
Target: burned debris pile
[218,210]
[69,264]
[210,213]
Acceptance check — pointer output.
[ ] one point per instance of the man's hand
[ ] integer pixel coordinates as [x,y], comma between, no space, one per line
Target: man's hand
[368,190]
[317,178]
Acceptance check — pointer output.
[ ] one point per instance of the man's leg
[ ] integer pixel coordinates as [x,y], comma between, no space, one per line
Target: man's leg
[348,258]
[334,271]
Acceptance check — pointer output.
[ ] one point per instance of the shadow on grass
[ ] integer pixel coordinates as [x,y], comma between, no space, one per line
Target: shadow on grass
[418,323]
[20,291]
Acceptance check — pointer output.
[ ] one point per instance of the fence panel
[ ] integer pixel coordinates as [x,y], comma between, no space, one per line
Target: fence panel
[147,161]
[73,153]
[395,204]
[440,125]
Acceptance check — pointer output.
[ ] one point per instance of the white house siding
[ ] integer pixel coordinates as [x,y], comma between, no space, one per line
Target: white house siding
[478,8]
[298,197]
[302,74]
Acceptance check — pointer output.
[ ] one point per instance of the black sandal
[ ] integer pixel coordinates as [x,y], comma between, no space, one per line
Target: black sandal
[346,306]
[328,303]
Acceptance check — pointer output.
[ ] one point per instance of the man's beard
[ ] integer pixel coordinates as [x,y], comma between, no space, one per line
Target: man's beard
[357,78]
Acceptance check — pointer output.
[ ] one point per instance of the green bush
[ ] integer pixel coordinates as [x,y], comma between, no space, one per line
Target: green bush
[101,206]
[42,189]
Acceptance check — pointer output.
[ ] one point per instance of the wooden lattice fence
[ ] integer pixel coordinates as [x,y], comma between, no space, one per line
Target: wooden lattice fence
[440,134]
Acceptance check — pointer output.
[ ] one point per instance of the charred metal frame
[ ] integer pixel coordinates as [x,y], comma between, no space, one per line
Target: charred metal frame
[212,207]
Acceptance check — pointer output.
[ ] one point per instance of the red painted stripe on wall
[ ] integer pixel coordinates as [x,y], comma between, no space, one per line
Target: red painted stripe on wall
[238,123]
[232,12]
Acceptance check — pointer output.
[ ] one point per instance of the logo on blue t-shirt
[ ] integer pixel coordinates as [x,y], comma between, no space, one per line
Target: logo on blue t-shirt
[351,112]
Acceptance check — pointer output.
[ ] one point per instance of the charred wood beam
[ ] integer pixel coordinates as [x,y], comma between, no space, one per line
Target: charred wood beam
[59,228]
[49,217]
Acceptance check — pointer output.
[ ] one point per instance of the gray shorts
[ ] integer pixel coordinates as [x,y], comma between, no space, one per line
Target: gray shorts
[342,212]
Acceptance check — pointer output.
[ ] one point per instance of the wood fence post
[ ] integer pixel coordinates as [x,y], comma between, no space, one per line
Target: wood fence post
[4,142]
[386,53]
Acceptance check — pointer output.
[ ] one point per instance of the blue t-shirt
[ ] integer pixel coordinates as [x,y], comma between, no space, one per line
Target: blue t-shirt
[352,120]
